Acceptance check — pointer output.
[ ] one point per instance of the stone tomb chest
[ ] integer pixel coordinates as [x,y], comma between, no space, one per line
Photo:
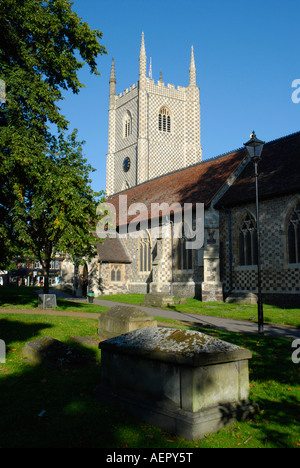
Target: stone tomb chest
[185,382]
[123,319]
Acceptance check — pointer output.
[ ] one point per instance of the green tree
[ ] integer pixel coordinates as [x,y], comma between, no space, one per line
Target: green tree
[43,45]
[56,208]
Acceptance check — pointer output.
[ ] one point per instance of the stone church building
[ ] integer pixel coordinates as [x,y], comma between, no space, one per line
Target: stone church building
[154,158]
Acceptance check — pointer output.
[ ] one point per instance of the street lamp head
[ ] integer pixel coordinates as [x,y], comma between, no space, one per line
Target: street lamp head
[254,147]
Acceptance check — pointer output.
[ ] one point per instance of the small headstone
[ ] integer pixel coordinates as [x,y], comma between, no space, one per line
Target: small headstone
[54,353]
[47,301]
[161,300]
[123,319]
[242,298]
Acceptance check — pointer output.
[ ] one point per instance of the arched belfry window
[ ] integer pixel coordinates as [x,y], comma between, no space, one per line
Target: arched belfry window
[127,124]
[294,235]
[248,241]
[164,120]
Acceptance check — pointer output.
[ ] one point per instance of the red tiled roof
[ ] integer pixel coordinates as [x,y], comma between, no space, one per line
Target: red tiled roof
[112,250]
[197,184]
[278,169]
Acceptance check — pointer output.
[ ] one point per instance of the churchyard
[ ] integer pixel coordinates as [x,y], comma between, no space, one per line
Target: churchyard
[44,406]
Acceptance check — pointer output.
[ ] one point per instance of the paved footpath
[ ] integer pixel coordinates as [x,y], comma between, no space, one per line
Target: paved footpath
[239,326]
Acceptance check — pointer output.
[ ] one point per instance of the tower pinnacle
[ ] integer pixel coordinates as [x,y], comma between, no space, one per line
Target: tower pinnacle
[143,58]
[143,49]
[112,78]
[112,84]
[192,69]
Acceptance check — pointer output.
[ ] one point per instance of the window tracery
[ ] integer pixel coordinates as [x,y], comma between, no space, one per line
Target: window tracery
[164,120]
[248,241]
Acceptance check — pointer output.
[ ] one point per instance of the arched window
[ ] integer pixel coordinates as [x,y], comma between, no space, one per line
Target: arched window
[127,124]
[116,273]
[183,256]
[164,120]
[144,254]
[294,235]
[248,241]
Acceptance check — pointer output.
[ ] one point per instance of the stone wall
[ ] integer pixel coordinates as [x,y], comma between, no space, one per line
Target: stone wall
[279,278]
[163,275]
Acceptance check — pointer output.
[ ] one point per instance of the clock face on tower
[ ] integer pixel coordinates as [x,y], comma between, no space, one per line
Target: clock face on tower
[126,164]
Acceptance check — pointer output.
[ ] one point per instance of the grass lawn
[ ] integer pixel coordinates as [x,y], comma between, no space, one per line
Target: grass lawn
[272,314]
[24,297]
[42,407]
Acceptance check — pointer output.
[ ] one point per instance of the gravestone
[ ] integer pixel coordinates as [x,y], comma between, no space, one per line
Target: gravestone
[54,353]
[123,319]
[47,301]
[185,382]
[242,298]
[161,300]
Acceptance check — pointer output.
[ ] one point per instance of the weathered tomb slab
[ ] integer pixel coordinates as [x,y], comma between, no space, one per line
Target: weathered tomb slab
[184,381]
[119,320]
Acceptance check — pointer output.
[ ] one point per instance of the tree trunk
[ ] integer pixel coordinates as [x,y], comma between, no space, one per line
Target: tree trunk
[46,266]
[46,277]
[46,263]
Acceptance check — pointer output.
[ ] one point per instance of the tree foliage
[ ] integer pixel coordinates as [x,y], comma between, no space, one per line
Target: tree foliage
[56,210]
[46,199]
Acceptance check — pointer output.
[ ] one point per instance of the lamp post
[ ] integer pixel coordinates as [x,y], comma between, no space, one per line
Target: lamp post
[254,148]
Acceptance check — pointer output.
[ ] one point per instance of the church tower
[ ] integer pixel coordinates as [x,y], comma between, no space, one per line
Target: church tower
[154,128]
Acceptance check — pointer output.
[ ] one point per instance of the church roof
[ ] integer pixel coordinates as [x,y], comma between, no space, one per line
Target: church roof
[196,184]
[112,250]
[278,169]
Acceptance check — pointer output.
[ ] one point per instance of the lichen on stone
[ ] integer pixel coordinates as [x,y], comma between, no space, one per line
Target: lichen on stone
[164,340]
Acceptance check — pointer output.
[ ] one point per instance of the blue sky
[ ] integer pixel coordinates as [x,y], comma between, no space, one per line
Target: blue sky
[246,55]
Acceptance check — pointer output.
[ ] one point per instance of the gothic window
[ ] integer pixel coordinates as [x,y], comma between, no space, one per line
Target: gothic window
[294,235]
[127,124]
[183,256]
[116,273]
[144,255]
[248,242]
[164,120]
